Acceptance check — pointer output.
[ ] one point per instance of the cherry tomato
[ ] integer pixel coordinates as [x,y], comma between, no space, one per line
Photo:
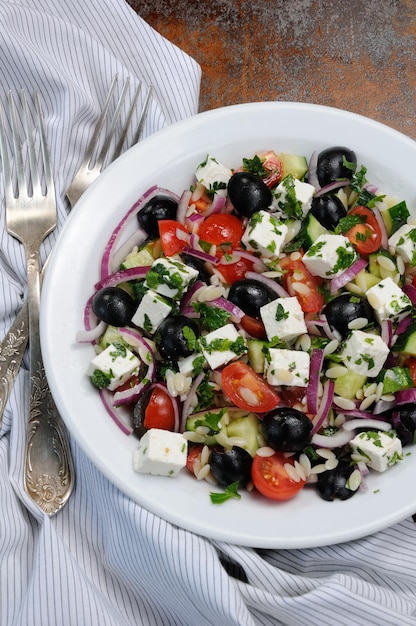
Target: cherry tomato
[312,300]
[254,327]
[159,411]
[221,228]
[231,272]
[411,364]
[194,454]
[365,237]
[271,479]
[173,236]
[274,165]
[246,389]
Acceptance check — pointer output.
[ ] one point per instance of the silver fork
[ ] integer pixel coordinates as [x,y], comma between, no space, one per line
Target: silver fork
[30,216]
[92,165]
[13,345]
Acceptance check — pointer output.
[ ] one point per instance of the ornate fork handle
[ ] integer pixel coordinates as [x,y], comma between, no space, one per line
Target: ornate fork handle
[48,463]
[12,350]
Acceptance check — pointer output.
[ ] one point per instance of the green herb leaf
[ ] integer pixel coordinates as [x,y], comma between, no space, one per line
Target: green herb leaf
[231,491]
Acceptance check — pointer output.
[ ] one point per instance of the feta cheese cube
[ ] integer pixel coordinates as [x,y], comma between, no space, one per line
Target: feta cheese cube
[222,345]
[160,452]
[170,277]
[287,367]
[213,175]
[388,300]
[113,366]
[151,312]
[377,449]
[294,197]
[330,255]
[265,234]
[403,243]
[283,318]
[187,365]
[364,353]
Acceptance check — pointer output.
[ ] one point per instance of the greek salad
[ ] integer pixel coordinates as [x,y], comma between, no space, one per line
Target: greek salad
[259,329]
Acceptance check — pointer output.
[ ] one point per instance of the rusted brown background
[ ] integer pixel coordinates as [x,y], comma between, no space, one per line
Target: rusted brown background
[357,55]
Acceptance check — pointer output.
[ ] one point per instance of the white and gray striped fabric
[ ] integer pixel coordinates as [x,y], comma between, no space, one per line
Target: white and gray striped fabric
[103,560]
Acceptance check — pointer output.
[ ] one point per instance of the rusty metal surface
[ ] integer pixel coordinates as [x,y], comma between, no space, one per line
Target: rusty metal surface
[358,55]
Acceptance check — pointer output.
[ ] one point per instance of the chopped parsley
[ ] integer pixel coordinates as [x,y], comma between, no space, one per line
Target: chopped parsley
[101,380]
[290,203]
[281,313]
[255,166]
[349,221]
[211,317]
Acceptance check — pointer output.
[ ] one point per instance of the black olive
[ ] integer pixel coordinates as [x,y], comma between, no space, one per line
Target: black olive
[335,163]
[139,412]
[286,429]
[250,295]
[158,208]
[114,306]
[198,265]
[248,193]
[344,309]
[176,337]
[328,210]
[229,466]
[332,483]
[404,422]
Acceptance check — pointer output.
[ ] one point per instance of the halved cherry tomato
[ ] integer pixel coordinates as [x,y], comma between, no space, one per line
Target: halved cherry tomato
[233,271]
[194,454]
[299,282]
[253,327]
[271,479]
[274,165]
[159,412]
[173,236]
[246,389]
[365,237]
[411,364]
[221,228]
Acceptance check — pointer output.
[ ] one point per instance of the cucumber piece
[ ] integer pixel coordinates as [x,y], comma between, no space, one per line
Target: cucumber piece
[139,258]
[256,354]
[397,378]
[362,282]
[406,341]
[210,418]
[395,216]
[375,268]
[292,164]
[347,386]
[111,335]
[248,429]
[311,230]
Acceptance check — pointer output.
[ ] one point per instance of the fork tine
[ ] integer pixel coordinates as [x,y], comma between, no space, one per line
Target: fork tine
[18,156]
[4,153]
[97,131]
[46,158]
[34,174]
[112,128]
[143,115]
[123,135]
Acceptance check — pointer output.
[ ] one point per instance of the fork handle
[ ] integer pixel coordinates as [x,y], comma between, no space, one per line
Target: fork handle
[48,470]
[12,349]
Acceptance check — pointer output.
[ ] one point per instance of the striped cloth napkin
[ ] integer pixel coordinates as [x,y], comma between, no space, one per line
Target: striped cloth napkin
[103,560]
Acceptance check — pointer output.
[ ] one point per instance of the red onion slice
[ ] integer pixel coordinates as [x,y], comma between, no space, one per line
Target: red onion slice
[366,423]
[273,284]
[384,236]
[347,276]
[341,438]
[324,406]
[315,369]
[117,415]
[312,171]
[332,187]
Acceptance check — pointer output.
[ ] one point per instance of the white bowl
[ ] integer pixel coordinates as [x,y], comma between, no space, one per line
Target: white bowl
[168,159]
